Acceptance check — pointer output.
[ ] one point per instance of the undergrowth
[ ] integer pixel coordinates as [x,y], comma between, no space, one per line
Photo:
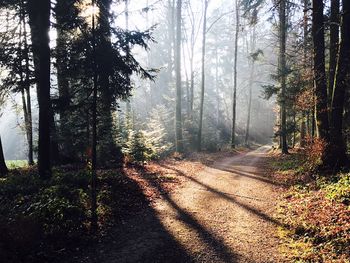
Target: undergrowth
[315,210]
[40,221]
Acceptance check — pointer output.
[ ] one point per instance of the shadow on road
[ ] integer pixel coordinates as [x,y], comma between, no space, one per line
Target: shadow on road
[215,243]
[228,197]
[143,237]
[139,237]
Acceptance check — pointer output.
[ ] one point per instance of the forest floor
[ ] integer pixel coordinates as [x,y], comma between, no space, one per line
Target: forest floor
[220,209]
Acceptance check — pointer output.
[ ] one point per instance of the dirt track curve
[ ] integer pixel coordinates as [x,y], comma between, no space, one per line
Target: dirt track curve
[224,214]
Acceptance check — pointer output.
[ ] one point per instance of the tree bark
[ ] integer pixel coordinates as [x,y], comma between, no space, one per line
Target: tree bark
[39,21]
[304,115]
[178,110]
[63,81]
[29,110]
[201,110]
[234,98]
[193,39]
[334,46]
[106,100]
[251,82]
[3,167]
[217,91]
[25,84]
[128,103]
[171,45]
[94,219]
[340,88]
[322,122]
[282,74]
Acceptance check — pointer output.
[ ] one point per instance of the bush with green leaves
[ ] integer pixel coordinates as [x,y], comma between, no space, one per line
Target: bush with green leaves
[340,191]
[139,149]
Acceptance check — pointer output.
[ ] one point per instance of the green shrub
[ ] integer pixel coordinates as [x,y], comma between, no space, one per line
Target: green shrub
[339,191]
[33,211]
[139,148]
[61,210]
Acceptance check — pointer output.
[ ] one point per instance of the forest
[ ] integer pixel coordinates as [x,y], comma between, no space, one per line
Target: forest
[174,131]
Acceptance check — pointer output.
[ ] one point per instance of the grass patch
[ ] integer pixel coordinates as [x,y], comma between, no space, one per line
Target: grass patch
[13,164]
[288,163]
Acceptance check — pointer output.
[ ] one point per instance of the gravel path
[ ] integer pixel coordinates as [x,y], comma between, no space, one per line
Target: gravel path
[223,214]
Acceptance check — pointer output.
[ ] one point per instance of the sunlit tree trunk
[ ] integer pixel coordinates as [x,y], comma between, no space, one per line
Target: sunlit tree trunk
[39,21]
[25,115]
[171,44]
[29,104]
[193,37]
[313,121]
[294,130]
[55,154]
[251,82]
[234,97]
[333,47]
[178,110]
[201,109]
[217,91]
[187,81]
[282,74]
[192,81]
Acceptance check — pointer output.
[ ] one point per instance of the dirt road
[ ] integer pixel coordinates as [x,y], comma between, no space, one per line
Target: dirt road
[224,214]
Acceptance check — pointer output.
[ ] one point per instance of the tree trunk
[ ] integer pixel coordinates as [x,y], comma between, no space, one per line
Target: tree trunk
[187,81]
[25,84]
[282,74]
[55,153]
[178,111]
[25,115]
[217,91]
[192,47]
[234,97]
[313,123]
[191,84]
[128,102]
[201,110]
[63,81]
[108,148]
[29,126]
[319,70]
[303,125]
[3,167]
[28,96]
[334,47]
[94,219]
[171,44]
[308,125]
[251,81]
[341,86]
[39,21]
[294,130]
